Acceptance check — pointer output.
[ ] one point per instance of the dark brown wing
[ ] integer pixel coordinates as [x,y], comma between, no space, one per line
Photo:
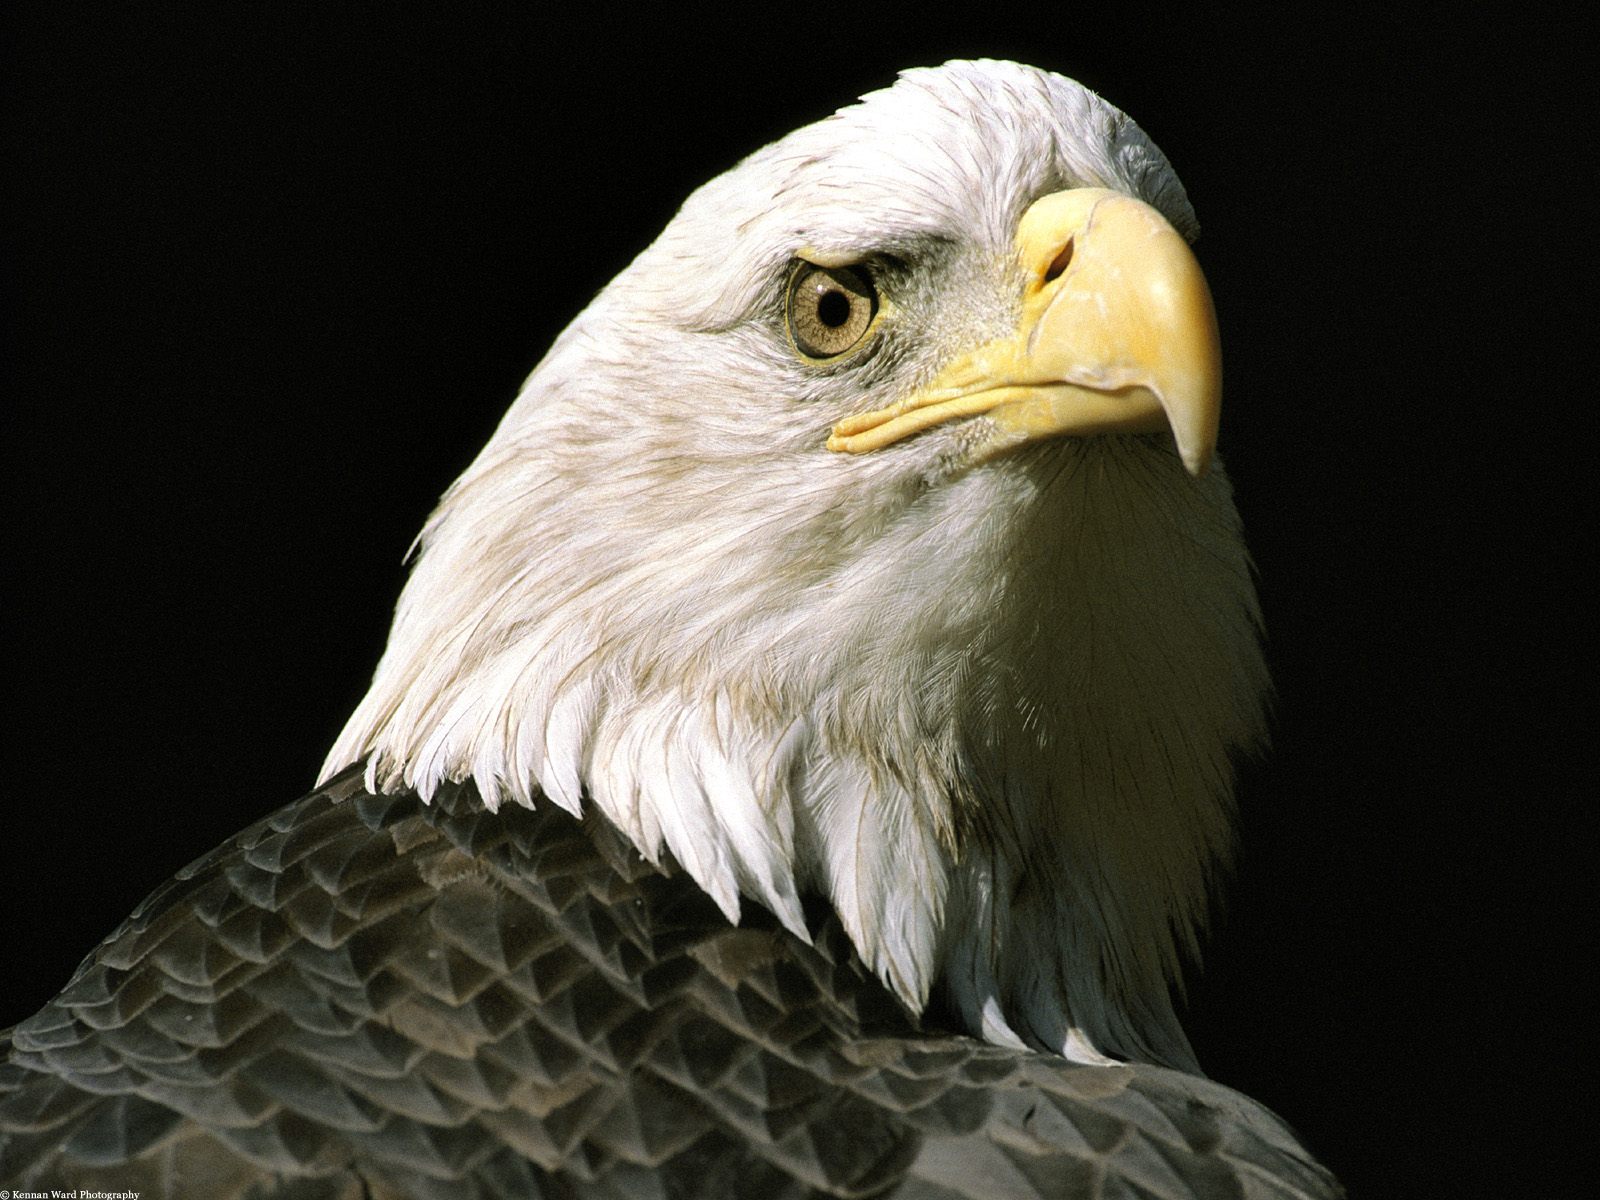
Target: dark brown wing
[365,996]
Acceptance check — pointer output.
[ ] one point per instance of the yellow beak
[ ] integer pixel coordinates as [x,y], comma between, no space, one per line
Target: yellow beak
[1118,335]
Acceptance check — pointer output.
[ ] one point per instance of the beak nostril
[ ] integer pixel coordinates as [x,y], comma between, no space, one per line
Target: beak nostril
[1059,263]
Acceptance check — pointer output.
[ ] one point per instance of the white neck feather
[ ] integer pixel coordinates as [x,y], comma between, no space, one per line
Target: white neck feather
[1005,761]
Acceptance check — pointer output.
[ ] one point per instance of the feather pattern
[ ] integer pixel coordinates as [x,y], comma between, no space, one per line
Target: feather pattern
[366,996]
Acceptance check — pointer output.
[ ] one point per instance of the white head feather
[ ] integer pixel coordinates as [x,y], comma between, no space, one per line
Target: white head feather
[988,711]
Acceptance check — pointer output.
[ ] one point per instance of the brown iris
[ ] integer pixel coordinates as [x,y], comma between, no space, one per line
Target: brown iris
[830,309]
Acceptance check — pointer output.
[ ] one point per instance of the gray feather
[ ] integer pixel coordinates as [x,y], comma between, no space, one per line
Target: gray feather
[368,996]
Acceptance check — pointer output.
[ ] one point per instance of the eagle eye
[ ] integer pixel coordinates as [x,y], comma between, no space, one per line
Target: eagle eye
[830,309]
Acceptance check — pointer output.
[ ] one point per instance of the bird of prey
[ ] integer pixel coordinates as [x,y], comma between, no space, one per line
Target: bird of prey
[802,751]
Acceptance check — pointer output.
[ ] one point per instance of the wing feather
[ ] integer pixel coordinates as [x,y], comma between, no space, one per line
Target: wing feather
[366,995]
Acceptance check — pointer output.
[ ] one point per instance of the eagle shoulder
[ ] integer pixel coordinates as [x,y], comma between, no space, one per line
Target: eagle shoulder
[366,991]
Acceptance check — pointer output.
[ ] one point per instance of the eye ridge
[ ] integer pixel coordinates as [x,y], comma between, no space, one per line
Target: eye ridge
[829,310]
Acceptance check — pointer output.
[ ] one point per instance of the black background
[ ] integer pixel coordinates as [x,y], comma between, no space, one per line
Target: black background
[276,277]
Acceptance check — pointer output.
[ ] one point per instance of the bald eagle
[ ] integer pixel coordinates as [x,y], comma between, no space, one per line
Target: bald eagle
[802,751]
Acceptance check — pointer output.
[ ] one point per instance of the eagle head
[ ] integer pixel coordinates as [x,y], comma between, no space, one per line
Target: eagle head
[858,540]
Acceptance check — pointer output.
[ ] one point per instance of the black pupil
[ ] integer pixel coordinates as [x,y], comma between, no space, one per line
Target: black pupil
[833,309]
